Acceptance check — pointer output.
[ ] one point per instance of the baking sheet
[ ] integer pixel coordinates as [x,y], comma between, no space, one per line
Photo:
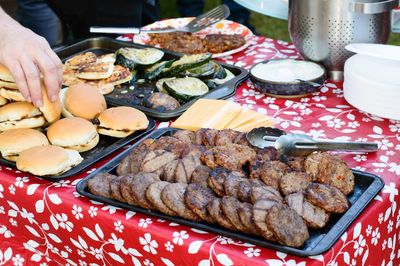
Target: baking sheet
[367,186]
[106,146]
[128,97]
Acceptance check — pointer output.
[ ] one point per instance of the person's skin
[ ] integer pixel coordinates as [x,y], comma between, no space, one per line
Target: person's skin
[29,57]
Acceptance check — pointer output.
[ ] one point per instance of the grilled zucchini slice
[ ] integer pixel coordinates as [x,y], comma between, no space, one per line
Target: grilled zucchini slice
[204,71]
[185,89]
[160,85]
[187,62]
[219,71]
[138,58]
[155,70]
[214,83]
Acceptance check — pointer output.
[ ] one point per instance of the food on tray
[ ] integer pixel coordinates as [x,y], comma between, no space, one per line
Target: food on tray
[14,141]
[161,102]
[134,58]
[220,114]
[185,89]
[216,176]
[121,121]
[20,115]
[81,60]
[73,133]
[193,44]
[82,100]
[8,87]
[47,160]
[95,71]
[3,101]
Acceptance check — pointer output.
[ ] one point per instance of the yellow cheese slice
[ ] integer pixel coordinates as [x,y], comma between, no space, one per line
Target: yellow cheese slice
[246,116]
[263,122]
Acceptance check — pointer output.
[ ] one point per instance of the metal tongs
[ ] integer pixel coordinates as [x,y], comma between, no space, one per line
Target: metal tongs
[198,23]
[301,144]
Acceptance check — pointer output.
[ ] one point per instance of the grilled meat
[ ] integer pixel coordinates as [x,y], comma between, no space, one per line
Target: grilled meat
[230,207]
[267,154]
[214,209]
[139,186]
[197,198]
[115,186]
[154,161]
[327,197]
[231,185]
[171,144]
[217,178]
[287,226]
[219,43]
[153,194]
[270,172]
[126,189]
[200,175]
[314,216]
[294,182]
[100,184]
[245,187]
[260,211]
[186,136]
[225,137]
[264,192]
[161,102]
[245,213]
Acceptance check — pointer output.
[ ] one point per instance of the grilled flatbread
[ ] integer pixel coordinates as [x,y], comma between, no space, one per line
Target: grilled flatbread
[81,60]
[95,71]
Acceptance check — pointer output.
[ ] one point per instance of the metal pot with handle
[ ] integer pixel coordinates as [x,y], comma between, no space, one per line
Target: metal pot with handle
[320,29]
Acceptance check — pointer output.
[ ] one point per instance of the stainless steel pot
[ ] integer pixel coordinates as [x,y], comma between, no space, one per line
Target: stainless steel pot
[320,29]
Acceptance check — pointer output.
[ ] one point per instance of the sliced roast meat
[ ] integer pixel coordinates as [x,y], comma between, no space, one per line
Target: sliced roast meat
[153,194]
[230,207]
[327,197]
[214,209]
[294,182]
[245,213]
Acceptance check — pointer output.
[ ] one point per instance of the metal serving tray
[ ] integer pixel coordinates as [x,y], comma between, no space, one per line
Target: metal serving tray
[106,146]
[128,97]
[367,186]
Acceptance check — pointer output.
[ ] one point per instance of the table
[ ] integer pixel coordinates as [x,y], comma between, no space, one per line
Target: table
[44,223]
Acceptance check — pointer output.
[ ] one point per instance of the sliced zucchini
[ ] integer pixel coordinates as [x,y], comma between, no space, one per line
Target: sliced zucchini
[155,70]
[204,71]
[135,76]
[214,83]
[138,58]
[187,62]
[185,89]
[160,85]
[219,71]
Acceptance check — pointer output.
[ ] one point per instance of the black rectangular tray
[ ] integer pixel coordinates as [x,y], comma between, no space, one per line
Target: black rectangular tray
[367,186]
[127,97]
[106,146]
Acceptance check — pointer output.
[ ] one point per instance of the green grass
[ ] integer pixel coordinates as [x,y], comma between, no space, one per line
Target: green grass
[264,25]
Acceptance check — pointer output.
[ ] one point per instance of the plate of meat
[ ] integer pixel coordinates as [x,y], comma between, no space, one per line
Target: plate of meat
[214,180]
[221,39]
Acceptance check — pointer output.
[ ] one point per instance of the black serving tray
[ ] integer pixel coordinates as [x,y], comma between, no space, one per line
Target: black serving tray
[367,186]
[128,97]
[106,146]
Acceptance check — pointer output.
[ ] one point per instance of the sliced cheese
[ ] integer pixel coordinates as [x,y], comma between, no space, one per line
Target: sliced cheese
[206,113]
[245,116]
[266,122]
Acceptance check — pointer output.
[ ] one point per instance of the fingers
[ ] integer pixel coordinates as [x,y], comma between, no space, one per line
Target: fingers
[19,76]
[32,77]
[51,73]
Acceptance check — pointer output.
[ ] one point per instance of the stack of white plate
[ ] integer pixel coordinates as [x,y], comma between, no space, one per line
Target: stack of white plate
[372,79]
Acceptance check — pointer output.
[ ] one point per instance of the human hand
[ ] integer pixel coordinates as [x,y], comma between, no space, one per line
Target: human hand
[29,57]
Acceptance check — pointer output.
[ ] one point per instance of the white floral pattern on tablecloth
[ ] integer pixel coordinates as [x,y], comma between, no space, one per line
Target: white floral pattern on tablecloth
[44,223]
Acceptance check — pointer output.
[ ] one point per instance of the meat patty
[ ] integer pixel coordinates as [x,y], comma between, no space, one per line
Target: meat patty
[219,43]
[200,175]
[225,137]
[314,216]
[154,161]
[173,197]
[245,213]
[115,186]
[244,189]
[287,226]
[270,172]
[231,185]
[100,184]
[260,212]
[294,182]
[330,169]
[264,192]
[140,183]
[161,102]
[153,194]
[296,163]
[190,163]
[267,154]
[327,197]
[126,189]
[232,157]
[170,170]
[178,147]
[185,135]
[217,178]
[197,198]
[241,139]
[214,209]
[132,162]
[209,136]
[230,207]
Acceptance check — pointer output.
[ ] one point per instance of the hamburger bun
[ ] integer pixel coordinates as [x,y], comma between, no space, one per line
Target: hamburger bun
[47,160]
[121,121]
[14,141]
[82,100]
[3,101]
[11,94]
[73,133]
[20,115]
[51,110]
[5,74]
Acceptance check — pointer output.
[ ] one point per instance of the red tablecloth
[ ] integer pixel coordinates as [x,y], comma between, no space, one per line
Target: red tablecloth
[44,223]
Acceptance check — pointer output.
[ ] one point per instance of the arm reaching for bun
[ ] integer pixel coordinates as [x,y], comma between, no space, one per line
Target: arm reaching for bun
[28,57]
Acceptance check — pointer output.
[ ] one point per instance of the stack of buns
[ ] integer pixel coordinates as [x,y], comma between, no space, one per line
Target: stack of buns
[97,71]
[86,116]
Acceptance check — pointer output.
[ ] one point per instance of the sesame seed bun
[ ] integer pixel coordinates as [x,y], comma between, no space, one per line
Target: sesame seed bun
[47,160]
[73,133]
[121,121]
[14,141]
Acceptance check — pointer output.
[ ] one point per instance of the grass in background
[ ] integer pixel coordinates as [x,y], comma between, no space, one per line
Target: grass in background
[264,25]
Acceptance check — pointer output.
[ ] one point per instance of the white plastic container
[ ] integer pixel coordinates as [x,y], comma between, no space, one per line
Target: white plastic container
[372,79]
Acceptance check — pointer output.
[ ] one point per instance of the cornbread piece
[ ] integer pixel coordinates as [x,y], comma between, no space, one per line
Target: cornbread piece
[100,184]
[294,182]
[314,216]
[139,185]
[173,197]
[200,175]
[327,197]
[230,207]
[197,198]
[214,209]
[245,213]
[260,211]
[330,169]
[287,226]
[153,194]
[270,172]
